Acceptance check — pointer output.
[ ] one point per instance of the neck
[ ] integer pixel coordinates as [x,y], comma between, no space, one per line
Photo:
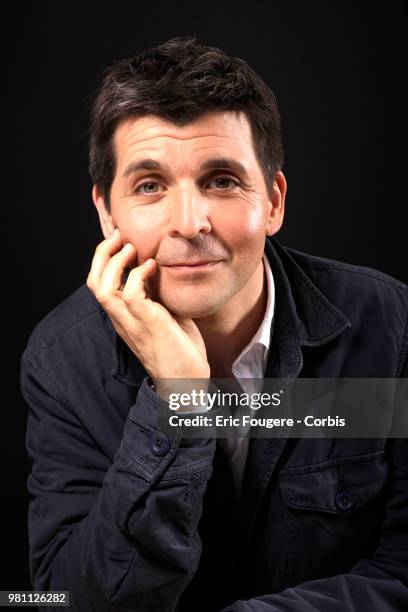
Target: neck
[229,330]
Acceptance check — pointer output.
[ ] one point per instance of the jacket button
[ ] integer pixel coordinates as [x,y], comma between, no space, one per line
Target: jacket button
[159,444]
[343,501]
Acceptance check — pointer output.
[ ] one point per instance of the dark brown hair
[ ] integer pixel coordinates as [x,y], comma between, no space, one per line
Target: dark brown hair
[180,80]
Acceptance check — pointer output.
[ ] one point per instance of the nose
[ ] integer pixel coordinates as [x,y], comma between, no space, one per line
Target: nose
[188,213]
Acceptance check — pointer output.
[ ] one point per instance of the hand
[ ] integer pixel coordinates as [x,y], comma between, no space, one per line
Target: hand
[169,347]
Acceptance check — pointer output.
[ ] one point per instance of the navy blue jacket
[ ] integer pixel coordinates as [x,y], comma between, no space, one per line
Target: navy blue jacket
[126,518]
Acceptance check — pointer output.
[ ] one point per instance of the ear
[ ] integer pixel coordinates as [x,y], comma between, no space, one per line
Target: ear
[105,218]
[276,204]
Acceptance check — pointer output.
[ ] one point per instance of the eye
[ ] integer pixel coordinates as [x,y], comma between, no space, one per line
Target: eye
[224,182]
[151,187]
[220,183]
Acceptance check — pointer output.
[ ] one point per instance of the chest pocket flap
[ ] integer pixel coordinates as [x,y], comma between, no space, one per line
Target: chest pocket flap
[338,486]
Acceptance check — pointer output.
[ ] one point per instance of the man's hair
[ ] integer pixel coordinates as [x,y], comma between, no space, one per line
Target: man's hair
[179,81]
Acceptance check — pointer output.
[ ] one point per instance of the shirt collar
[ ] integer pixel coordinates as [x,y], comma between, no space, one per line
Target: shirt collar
[262,337]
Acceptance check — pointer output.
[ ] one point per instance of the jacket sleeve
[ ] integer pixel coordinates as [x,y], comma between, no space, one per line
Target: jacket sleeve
[380,583]
[117,537]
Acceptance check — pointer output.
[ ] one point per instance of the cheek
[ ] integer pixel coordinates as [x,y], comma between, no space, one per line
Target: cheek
[143,240]
[244,231]
[256,222]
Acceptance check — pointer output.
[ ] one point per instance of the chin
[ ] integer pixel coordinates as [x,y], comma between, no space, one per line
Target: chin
[191,309]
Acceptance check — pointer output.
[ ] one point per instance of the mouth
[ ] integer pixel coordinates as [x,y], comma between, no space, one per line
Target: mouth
[188,269]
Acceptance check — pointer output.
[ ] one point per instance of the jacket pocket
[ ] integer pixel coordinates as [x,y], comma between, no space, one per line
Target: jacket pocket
[332,513]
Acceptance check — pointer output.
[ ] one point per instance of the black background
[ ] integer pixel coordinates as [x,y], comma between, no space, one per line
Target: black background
[337,70]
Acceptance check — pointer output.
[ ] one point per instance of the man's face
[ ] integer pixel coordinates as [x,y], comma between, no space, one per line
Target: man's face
[197,193]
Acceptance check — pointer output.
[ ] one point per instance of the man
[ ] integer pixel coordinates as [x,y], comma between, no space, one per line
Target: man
[186,160]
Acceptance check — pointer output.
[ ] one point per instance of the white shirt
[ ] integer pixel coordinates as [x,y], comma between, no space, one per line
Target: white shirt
[251,364]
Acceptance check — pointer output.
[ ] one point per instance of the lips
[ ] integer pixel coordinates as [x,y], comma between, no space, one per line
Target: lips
[193,263]
[193,269]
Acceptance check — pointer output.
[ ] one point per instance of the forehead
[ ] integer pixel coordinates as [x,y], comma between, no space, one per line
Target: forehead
[224,133]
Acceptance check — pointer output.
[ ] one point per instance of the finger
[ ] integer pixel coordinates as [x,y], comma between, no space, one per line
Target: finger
[126,309]
[103,253]
[134,292]
[111,278]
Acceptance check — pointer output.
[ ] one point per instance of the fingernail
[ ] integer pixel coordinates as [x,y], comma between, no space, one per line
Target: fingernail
[128,247]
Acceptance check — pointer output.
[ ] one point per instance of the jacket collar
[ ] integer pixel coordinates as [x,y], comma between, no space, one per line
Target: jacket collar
[303,317]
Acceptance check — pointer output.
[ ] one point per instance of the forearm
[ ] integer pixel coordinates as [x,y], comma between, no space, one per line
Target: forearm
[367,589]
[138,546]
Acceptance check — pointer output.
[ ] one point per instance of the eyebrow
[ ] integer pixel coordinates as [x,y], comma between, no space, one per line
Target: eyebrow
[218,163]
